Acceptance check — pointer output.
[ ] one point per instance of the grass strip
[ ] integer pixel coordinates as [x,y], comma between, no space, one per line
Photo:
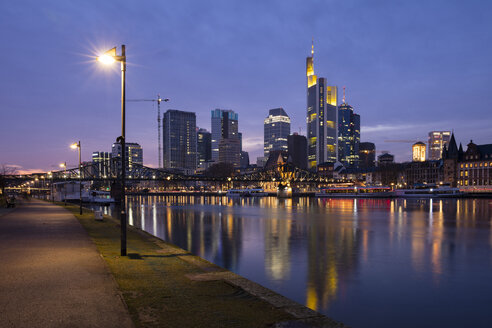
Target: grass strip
[155,284]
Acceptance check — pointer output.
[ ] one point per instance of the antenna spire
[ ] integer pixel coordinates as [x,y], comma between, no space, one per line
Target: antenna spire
[343,100]
[312,47]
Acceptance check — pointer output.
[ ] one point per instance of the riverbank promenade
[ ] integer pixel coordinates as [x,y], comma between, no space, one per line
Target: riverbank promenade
[51,274]
[62,269]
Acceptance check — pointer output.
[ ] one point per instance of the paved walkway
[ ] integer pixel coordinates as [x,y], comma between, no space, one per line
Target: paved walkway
[51,274]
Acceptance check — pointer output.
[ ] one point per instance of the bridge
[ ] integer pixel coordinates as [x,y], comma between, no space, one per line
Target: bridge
[110,171]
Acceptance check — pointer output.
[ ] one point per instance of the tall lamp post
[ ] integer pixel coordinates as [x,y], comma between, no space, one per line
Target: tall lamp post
[109,57]
[75,146]
[64,165]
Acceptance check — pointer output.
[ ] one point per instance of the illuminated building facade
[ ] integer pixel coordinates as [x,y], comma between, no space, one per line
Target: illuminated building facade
[224,125]
[134,155]
[475,170]
[437,141]
[203,146]
[321,118]
[348,135]
[367,154]
[179,140]
[276,130]
[100,162]
[418,152]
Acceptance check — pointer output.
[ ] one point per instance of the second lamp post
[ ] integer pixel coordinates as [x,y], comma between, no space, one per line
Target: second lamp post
[75,146]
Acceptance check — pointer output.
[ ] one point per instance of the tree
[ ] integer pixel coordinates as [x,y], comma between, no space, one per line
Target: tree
[220,170]
[5,170]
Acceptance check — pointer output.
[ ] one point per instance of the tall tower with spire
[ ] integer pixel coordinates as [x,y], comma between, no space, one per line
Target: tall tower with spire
[348,134]
[321,117]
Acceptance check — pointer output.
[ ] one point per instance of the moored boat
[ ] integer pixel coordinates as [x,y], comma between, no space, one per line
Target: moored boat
[246,192]
[355,192]
[430,192]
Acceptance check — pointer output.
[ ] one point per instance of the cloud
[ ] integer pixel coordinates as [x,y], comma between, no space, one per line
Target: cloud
[19,169]
[254,146]
[390,127]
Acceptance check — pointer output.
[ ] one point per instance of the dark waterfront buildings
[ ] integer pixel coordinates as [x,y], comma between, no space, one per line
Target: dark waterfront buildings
[276,130]
[203,146]
[367,154]
[348,135]
[297,150]
[385,158]
[179,140]
[451,155]
[321,118]
[422,172]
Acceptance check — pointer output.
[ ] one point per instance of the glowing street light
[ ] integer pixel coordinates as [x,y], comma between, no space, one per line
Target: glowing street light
[108,58]
[75,146]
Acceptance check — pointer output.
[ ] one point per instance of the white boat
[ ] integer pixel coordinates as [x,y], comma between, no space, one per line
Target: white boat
[69,191]
[429,192]
[355,192]
[99,197]
[247,192]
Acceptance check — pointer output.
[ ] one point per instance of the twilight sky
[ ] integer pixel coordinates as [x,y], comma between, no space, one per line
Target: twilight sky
[409,67]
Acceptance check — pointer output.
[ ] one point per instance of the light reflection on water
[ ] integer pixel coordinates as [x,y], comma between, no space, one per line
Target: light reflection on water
[365,262]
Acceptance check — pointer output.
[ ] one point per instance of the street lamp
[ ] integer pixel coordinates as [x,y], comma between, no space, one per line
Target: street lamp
[64,165]
[109,57]
[75,146]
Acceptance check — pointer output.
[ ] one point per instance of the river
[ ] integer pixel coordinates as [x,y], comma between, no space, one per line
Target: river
[365,262]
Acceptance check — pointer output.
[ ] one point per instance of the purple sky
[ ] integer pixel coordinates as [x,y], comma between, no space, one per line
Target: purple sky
[409,67]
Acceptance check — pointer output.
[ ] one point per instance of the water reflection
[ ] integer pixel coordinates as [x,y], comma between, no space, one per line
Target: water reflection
[336,255]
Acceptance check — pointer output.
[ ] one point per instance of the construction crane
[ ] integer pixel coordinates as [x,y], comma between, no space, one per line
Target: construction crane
[401,141]
[158,100]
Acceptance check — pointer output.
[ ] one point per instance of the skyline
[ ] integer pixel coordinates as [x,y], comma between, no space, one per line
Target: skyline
[429,61]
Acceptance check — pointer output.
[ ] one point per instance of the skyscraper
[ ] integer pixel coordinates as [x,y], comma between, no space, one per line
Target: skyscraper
[224,125]
[276,130]
[101,160]
[244,159]
[179,140]
[348,135]
[133,152]
[297,150]
[226,143]
[321,117]
[203,146]
[437,141]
